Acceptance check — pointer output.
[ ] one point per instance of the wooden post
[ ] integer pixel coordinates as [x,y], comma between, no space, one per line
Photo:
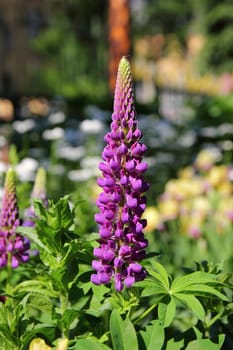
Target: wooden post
[118,36]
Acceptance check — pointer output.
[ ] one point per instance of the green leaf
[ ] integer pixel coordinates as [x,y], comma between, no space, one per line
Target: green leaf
[161,274]
[116,329]
[156,290]
[206,344]
[175,345]
[197,332]
[31,233]
[198,277]
[6,332]
[129,335]
[43,288]
[97,305]
[166,312]
[36,306]
[90,344]
[46,331]
[204,290]
[68,317]
[153,335]
[193,303]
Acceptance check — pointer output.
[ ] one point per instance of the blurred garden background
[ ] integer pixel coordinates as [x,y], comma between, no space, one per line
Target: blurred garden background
[58,62]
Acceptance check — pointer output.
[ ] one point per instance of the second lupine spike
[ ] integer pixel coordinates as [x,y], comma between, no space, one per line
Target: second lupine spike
[14,248]
[38,192]
[122,201]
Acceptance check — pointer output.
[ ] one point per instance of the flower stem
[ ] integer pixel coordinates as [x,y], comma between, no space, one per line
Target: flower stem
[63,307]
[145,313]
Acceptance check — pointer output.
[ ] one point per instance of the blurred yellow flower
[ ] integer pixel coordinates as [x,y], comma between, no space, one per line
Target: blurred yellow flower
[186,173]
[217,175]
[206,159]
[201,205]
[169,209]
[39,344]
[225,188]
[190,187]
[153,218]
[171,188]
[226,205]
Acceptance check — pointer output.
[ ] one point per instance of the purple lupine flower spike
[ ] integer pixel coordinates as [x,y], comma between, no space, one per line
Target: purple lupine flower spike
[14,248]
[38,192]
[122,201]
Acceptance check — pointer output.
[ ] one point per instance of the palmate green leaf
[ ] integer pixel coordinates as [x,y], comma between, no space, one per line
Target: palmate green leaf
[193,303]
[166,312]
[204,290]
[123,334]
[152,288]
[90,344]
[206,344]
[153,335]
[198,277]
[161,274]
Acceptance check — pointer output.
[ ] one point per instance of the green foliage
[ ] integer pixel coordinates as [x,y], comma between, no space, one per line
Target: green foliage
[185,289]
[217,51]
[67,47]
[54,298]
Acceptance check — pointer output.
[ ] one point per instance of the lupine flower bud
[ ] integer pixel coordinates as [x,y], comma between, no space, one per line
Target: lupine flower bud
[122,201]
[38,192]
[13,247]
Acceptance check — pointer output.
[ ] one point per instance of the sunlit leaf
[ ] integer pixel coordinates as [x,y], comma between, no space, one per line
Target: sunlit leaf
[167,312]
[204,290]
[116,329]
[153,335]
[206,344]
[193,303]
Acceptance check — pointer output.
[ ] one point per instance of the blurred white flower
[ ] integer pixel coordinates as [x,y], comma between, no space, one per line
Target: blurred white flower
[3,168]
[23,126]
[80,175]
[208,131]
[90,163]
[70,153]
[26,169]
[226,145]
[187,139]
[165,131]
[89,126]
[3,141]
[53,134]
[57,117]
[225,129]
